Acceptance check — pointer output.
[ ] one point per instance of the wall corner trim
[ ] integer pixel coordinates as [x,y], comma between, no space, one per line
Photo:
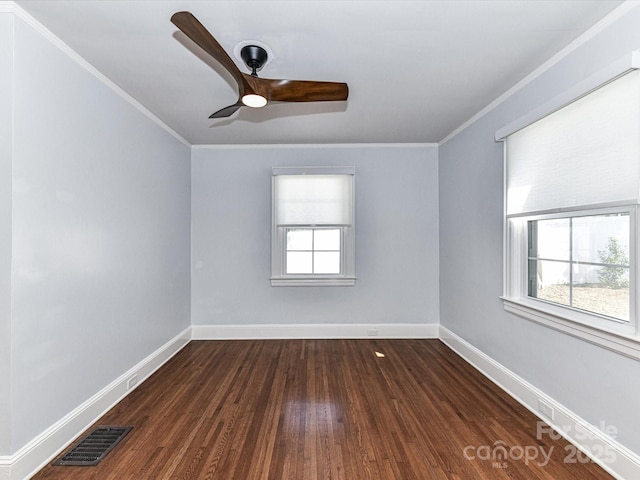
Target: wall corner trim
[27,461]
[622,464]
[263,146]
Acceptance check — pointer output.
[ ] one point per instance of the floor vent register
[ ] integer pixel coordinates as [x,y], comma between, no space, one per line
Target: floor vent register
[92,448]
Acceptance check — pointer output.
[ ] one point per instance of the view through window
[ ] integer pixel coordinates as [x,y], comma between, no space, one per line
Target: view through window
[581,262]
[313,251]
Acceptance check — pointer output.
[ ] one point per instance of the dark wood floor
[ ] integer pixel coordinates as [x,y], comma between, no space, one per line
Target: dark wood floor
[325,409]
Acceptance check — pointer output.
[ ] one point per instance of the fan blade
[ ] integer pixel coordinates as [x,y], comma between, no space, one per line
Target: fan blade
[193,29]
[302,90]
[227,111]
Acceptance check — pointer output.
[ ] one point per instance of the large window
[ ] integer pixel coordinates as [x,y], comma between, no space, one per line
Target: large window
[313,226]
[572,181]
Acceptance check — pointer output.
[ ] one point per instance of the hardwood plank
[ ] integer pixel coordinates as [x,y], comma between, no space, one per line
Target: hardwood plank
[323,409]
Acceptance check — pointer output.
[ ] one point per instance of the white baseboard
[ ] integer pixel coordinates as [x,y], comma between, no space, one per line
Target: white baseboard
[46,446]
[615,458]
[619,461]
[323,330]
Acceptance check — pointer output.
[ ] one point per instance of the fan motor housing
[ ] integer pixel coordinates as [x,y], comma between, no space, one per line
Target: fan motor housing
[254,56]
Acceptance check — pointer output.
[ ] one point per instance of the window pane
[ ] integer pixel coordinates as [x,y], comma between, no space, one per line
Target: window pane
[598,298]
[550,281]
[601,239]
[596,276]
[299,239]
[327,262]
[299,262]
[327,239]
[552,239]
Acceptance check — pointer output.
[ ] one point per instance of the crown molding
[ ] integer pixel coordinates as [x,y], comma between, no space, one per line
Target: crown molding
[604,23]
[311,145]
[12,7]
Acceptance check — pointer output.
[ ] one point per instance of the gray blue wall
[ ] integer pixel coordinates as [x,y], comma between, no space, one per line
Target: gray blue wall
[100,232]
[396,238]
[595,383]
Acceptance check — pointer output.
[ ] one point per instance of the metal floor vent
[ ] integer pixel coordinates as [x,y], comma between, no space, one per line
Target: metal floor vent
[94,447]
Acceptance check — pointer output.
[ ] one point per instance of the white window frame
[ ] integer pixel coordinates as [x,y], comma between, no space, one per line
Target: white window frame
[516,293]
[279,277]
[621,337]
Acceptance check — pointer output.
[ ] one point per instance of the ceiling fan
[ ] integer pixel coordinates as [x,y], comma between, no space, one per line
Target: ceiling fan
[252,90]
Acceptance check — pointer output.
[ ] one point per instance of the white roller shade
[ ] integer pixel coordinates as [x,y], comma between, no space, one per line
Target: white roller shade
[586,153]
[313,199]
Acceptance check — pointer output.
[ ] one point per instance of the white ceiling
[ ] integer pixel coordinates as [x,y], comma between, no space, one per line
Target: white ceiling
[416,70]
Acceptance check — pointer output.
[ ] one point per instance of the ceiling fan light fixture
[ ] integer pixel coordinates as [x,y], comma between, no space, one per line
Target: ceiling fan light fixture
[255,56]
[254,101]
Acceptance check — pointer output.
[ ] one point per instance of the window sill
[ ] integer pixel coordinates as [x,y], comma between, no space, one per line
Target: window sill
[621,343]
[313,282]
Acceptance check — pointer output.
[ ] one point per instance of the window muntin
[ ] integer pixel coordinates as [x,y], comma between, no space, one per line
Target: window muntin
[581,262]
[313,251]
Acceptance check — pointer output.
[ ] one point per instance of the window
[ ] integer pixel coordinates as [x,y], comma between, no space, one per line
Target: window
[581,262]
[572,180]
[313,226]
